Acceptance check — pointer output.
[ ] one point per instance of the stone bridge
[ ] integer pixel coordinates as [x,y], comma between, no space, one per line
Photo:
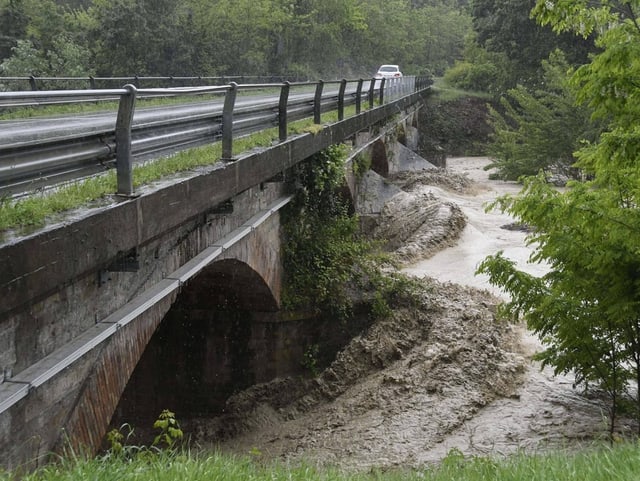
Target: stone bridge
[169,299]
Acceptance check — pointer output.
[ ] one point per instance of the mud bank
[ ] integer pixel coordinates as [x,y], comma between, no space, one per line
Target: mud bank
[432,377]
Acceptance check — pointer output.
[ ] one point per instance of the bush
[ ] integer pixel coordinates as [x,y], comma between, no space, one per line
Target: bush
[471,76]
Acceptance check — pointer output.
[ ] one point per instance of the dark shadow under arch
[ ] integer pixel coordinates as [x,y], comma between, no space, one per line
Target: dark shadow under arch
[379,160]
[201,353]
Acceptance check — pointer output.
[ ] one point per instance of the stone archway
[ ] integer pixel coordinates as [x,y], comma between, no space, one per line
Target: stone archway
[202,351]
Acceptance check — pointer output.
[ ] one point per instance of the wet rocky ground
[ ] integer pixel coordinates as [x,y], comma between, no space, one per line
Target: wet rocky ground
[436,375]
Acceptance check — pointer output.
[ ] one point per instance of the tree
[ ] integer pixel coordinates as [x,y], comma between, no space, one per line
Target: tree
[506,26]
[13,26]
[539,130]
[312,38]
[586,309]
[150,37]
[64,59]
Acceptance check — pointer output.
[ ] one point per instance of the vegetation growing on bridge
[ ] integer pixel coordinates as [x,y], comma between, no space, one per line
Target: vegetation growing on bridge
[323,250]
[329,263]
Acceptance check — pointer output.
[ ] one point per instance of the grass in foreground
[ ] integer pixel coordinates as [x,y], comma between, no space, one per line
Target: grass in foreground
[621,462]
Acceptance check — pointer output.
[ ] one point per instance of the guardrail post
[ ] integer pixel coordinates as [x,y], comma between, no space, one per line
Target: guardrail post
[359,96]
[32,82]
[282,111]
[124,161]
[343,87]
[317,102]
[382,81]
[372,89]
[227,121]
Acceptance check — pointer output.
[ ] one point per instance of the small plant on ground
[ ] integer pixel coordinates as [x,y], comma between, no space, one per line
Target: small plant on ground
[170,432]
[310,359]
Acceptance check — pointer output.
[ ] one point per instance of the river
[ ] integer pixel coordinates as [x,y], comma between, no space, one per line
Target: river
[428,380]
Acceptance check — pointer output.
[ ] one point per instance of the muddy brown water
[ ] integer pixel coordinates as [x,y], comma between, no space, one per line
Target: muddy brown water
[427,380]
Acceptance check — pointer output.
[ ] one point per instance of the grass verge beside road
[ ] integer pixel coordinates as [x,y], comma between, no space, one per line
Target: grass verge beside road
[35,209]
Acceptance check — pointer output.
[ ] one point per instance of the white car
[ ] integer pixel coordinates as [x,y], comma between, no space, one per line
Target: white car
[389,71]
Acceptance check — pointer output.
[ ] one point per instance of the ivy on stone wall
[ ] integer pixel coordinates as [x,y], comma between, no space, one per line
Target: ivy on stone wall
[329,263]
[324,253]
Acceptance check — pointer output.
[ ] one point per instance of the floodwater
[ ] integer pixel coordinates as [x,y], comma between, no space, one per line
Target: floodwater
[426,380]
[545,411]
[485,232]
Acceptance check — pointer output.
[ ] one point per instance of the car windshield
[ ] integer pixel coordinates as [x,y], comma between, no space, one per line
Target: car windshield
[388,68]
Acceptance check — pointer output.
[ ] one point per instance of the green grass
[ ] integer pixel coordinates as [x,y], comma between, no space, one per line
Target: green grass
[36,209]
[19,112]
[621,462]
[446,93]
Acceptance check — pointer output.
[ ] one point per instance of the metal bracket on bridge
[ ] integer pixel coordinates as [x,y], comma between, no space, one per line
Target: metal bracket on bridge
[227,122]
[124,158]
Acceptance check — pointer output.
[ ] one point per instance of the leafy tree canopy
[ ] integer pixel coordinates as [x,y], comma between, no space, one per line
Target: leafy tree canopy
[587,308]
[538,130]
[517,44]
[319,38]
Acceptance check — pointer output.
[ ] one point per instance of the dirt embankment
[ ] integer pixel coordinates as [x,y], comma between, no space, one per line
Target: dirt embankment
[436,375]
[393,394]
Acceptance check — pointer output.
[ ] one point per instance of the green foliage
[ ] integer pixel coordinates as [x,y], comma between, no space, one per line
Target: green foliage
[472,76]
[587,308]
[361,164]
[310,359]
[538,130]
[323,251]
[115,439]
[311,38]
[506,27]
[120,33]
[380,308]
[65,59]
[170,432]
[25,61]
[596,463]
[13,26]
[327,262]
[167,439]
[479,70]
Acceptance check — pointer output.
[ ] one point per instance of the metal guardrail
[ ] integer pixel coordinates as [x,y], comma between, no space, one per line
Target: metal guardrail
[54,83]
[39,153]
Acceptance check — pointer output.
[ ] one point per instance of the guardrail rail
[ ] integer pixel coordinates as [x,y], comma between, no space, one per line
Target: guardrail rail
[40,152]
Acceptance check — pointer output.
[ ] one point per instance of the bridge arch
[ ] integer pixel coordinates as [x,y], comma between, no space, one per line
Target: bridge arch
[379,158]
[240,285]
[203,350]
